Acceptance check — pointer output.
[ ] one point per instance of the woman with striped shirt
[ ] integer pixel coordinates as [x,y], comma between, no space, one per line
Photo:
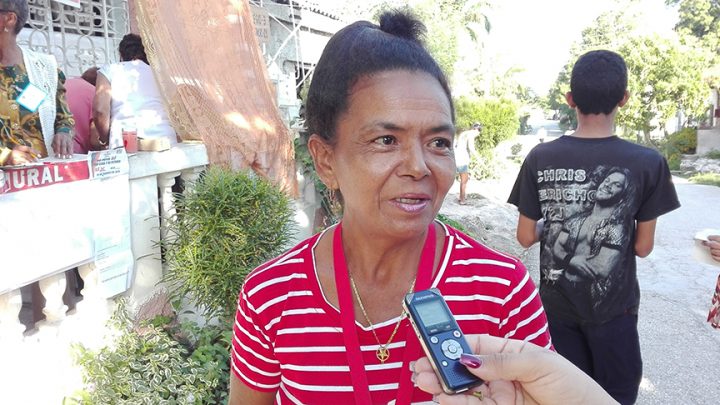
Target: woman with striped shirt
[323,323]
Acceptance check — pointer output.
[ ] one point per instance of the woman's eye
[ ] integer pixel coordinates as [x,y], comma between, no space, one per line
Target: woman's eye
[385,140]
[441,143]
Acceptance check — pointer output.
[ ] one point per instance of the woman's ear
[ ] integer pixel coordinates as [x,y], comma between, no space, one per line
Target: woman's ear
[323,157]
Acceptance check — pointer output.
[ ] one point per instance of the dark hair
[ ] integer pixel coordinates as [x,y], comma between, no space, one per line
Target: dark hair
[598,82]
[20,9]
[358,50]
[131,48]
[90,75]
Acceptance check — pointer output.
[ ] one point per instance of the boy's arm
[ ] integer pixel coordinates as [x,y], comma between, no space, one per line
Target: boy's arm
[528,231]
[645,237]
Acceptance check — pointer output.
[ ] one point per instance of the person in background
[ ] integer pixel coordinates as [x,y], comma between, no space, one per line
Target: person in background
[713,244]
[80,94]
[324,322]
[34,114]
[127,96]
[600,197]
[515,372]
[464,150]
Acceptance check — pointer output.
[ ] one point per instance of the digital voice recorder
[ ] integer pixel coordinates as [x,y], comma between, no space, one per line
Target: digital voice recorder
[441,338]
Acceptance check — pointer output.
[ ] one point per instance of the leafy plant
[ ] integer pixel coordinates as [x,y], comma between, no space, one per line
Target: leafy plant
[683,142]
[713,154]
[226,225]
[710,179]
[499,117]
[449,221]
[182,364]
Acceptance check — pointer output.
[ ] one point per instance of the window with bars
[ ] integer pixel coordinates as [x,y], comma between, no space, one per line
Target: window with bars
[78,37]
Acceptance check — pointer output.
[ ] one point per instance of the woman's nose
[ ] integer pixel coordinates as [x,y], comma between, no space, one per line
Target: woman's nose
[415,164]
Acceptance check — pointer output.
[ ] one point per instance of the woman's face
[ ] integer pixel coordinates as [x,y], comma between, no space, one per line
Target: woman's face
[392,158]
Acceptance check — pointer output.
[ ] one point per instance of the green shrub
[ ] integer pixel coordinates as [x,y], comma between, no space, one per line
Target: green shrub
[484,166]
[226,225]
[499,117]
[713,154]
[683,142]
[500,121]
[710,179]
[156,364]
[449,221]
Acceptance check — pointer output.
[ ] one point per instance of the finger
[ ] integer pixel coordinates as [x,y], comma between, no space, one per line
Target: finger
[712,244]
[422,365]
[715,238]
[462,399]
[428,382]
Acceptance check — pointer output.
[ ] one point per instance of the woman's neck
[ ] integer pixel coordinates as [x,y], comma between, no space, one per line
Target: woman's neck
[373,259]
[10,53]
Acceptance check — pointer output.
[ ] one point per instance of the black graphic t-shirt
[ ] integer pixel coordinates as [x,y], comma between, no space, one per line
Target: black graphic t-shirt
[590,193]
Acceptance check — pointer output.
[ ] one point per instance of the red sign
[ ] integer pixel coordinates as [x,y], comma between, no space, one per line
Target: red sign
[43,175]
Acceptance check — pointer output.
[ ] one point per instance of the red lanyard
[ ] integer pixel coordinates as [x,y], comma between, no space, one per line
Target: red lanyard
[361,387]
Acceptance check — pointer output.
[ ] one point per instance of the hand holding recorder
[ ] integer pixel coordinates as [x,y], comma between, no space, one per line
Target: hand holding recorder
[516,372]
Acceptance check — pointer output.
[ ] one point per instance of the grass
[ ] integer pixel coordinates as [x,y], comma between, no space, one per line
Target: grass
[710,179]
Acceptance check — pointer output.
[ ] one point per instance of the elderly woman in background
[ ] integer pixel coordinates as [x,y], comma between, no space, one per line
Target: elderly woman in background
[324,323]
[127,96]
[33,110]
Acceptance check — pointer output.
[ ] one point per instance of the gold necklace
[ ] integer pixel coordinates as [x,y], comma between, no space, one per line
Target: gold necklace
[382,353]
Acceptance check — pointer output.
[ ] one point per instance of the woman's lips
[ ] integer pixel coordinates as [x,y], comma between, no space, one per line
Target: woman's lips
[411,204]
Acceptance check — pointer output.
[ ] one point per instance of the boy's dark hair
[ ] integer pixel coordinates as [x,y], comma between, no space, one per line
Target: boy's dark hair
[361,49]
[131,48]
[598,82]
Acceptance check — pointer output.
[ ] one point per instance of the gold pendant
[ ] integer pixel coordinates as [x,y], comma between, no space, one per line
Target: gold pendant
[382,354]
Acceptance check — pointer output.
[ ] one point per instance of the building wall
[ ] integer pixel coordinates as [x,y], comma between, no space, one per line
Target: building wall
[292,40]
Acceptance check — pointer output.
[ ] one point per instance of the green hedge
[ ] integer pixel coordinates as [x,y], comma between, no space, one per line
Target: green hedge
[226,225]
[683,142]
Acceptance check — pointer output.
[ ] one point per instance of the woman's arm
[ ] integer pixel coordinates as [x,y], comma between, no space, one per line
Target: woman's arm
[102,107]
[64,128]
[241,394]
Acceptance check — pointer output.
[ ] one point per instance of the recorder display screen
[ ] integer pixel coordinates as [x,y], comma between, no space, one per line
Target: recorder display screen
[432,312]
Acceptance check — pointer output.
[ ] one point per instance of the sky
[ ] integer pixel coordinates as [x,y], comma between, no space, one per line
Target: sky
[536,35]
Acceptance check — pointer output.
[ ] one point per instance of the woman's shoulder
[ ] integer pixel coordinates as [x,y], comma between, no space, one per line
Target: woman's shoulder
[467,259]
[465,247]
[295,263]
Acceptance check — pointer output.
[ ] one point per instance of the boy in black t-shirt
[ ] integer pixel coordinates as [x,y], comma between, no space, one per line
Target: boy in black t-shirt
[592,200]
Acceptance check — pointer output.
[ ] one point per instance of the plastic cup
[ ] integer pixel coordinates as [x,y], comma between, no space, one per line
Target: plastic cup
[130,140]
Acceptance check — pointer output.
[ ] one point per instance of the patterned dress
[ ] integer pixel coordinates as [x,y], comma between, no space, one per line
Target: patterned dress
[20,126]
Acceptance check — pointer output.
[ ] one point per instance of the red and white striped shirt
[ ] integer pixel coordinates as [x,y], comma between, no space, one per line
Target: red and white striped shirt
[288,339]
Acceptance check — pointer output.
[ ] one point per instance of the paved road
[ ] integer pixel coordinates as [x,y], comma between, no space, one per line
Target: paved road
[681,351]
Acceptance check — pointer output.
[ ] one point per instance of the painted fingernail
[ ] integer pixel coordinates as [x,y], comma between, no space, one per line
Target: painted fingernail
[412,366]
[470,361]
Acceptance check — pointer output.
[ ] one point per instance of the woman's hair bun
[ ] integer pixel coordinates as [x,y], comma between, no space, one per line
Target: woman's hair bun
[402,23]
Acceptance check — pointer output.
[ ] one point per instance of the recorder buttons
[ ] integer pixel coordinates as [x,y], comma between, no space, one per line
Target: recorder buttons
[444,363]
[456,333]
[434,339]
[452,349]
